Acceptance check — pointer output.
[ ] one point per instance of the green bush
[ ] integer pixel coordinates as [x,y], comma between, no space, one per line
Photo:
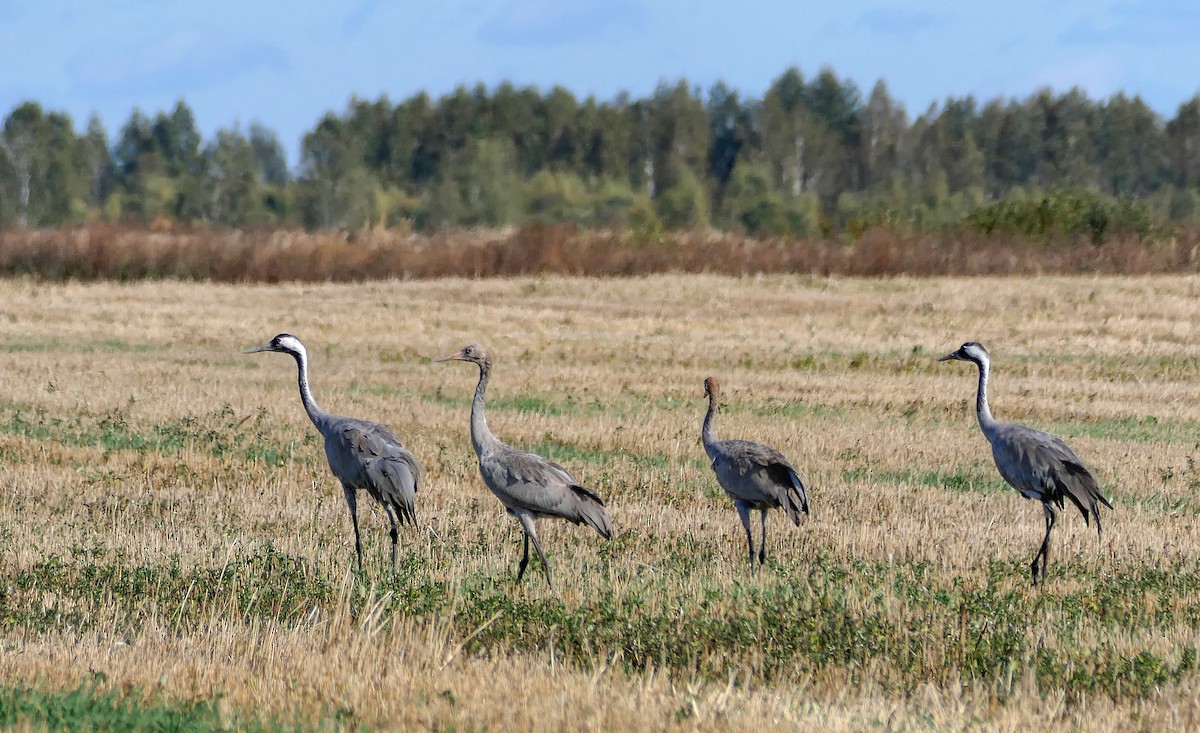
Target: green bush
[1070,214]
[685,204]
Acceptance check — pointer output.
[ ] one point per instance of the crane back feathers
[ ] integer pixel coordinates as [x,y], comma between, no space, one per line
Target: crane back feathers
[365,455]
[760,476]
[1043,467]
[530,483]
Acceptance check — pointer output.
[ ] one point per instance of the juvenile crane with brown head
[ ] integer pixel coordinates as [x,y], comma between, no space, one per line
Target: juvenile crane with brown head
[755,476]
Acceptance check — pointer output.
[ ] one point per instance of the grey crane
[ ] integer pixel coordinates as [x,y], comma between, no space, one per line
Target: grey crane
[361,454]
[755,476]
[529,486]
[1037,464]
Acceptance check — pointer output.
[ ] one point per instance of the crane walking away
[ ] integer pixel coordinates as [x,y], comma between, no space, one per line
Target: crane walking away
[1037,464]
[361,454]
[755,476]
[529,486]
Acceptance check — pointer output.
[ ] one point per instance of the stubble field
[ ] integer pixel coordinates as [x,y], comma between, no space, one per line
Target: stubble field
[172,543]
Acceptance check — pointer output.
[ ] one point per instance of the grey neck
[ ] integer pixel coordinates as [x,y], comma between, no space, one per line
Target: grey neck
[315,413]
[481,437]
[982,411]
[706,432]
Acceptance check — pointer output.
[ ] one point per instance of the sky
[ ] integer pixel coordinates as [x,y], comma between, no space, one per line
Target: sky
[285,63]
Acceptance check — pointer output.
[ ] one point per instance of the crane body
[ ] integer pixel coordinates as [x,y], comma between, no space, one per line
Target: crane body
[529,486]
[362,455]
[755,476]
[1036,464]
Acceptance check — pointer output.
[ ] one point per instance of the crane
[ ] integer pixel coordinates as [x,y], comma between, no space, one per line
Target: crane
[529,486]
[361,454]
[755,476]
[1037,464]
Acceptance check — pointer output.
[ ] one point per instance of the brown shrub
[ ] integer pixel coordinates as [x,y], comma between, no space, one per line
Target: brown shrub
[108,251]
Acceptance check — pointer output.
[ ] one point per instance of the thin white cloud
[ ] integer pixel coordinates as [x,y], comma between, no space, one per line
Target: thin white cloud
[1139,23]
[897,22]
[558,22]
[358,17]
[178,64]
[1099,75]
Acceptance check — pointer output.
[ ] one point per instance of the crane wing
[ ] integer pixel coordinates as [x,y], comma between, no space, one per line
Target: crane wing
[1041,466]
[367,455]
[527,481]
[759,474]
[395,478]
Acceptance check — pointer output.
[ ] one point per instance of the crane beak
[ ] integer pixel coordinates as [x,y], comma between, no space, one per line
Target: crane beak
[457,356]
[256,349]
[952,356]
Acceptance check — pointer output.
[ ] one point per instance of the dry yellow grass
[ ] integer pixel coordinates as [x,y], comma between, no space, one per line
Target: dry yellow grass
[131,434]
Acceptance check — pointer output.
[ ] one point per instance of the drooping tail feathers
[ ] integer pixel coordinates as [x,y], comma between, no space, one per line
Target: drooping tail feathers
[1081,488]
[795,499]
[592,511]
[396,481]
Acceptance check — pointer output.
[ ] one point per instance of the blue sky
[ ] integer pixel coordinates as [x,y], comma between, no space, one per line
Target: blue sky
[284,63]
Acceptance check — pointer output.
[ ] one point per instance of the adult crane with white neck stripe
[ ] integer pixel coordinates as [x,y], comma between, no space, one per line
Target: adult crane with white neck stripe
[1037,464]
[361,454]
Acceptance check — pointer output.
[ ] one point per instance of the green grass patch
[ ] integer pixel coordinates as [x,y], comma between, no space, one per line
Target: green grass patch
[535,404]
[86,347]
[789,409]
[631,405]
[91,708]
[786,620]
[830,615]
[1125,367]
[894,361]
[566,453]
[57,594]
[1187,505]
[220,432]
[1145,429]
[961,478]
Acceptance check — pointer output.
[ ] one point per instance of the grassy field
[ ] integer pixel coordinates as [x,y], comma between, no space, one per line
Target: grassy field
[173,547]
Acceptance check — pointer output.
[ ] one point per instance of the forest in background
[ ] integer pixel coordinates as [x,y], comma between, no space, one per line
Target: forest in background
[813,157]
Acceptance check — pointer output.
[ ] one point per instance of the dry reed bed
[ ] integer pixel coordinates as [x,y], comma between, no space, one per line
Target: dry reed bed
[135,436]
[107,251]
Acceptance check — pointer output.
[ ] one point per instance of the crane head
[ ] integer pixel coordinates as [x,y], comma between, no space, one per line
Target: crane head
[285,342]
[970,351]
[712,390]
[473,353]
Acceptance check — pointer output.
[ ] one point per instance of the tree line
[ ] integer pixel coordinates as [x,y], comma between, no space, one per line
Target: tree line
[809,157]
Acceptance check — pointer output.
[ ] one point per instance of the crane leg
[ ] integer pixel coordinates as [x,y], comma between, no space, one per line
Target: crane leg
[352,502]
[395,533]
[524,558]
[743,510]
[1044,551]
[527,523]
[545,565]
[762,545]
